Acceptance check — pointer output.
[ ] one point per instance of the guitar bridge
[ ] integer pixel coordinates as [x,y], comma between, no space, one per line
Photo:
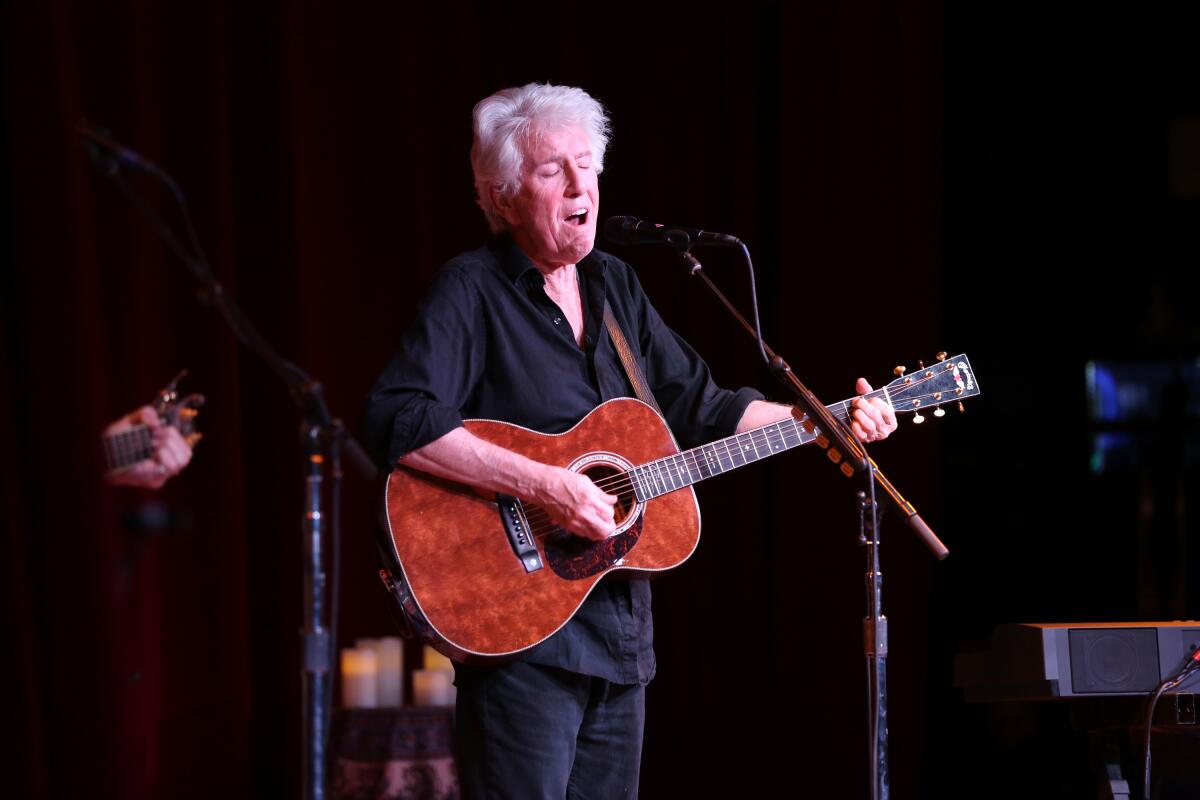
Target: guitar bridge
[516,526]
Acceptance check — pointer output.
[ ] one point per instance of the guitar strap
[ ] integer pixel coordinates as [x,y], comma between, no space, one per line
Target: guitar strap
[636,377]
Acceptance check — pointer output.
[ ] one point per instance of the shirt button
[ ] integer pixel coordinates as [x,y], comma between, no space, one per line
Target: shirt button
[558,320]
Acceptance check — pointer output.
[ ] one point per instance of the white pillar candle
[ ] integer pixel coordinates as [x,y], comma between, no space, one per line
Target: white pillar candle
[359,682]
[389,661]
[433,687]
[435,660]
[389,651]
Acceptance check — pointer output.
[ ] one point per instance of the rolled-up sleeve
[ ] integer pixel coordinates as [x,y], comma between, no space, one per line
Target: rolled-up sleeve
[418,397]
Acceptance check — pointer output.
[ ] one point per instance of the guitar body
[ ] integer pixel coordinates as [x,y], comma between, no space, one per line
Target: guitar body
[458,565]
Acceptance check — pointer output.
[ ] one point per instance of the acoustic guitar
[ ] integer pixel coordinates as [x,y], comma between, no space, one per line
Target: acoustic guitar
[483,578]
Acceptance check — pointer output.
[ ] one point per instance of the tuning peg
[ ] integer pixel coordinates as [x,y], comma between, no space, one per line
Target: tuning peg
[920,365]
[918,419]
[941,356]
[960,407]
[899,371]
[170,388]
[939,412]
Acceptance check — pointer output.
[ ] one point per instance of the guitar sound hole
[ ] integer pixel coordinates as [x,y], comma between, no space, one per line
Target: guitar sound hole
[576,558]
[602,475]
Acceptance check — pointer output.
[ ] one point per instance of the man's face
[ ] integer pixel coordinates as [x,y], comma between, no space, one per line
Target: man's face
[552,217]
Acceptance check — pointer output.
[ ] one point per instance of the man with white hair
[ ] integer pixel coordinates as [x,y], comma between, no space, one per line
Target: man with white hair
[514,332]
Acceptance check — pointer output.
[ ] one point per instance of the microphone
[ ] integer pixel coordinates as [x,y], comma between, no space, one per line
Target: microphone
[110,155]
[633,231]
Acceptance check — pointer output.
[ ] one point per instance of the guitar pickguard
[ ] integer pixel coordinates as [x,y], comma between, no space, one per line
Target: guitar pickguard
[574,558]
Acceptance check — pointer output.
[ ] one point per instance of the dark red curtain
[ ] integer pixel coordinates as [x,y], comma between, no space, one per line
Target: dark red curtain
[323,148]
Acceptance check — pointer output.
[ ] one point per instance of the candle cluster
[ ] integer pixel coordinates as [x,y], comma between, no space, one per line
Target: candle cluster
[373,676]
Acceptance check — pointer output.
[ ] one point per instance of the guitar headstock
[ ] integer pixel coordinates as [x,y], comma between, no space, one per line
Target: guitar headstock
[950,380]
[179,412]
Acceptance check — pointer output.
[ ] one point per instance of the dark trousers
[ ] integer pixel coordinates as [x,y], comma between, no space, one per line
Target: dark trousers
[529,732]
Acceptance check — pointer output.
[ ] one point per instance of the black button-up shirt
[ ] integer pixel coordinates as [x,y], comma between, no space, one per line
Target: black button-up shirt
[489,343]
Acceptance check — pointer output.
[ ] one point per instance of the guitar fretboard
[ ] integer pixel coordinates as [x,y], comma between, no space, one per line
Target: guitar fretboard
[656,478]
[128,447]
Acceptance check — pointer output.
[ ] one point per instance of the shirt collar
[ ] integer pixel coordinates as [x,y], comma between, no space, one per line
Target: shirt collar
[517,266]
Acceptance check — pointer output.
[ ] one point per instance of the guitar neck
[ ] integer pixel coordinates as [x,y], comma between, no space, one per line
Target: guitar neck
[128,447]
[656,478]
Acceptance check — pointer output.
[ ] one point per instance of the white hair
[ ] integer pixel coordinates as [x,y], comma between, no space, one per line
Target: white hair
[505,125]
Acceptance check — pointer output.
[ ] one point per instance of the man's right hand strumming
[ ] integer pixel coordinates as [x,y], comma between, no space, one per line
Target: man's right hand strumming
[573,502]
[569,499]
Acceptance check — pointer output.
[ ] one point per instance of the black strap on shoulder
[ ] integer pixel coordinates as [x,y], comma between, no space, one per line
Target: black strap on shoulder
[636,377]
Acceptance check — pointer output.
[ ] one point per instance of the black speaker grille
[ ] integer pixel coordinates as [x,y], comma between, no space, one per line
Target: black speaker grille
[1113,660]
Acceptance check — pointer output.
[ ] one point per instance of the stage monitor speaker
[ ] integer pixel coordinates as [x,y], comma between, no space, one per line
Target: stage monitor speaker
[1082,659]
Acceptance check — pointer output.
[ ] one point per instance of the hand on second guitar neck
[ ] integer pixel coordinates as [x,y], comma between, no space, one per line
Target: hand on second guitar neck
[171,452]
[573,502]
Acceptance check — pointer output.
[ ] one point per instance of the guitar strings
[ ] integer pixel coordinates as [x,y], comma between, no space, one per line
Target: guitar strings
[128,446]
[622,484]
[758,436]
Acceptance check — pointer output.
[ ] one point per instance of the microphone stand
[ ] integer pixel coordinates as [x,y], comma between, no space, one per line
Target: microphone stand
[845,451]
[323,439]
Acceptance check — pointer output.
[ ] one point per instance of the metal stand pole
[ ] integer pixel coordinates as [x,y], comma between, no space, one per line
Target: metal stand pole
[875,648]
[314,637]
